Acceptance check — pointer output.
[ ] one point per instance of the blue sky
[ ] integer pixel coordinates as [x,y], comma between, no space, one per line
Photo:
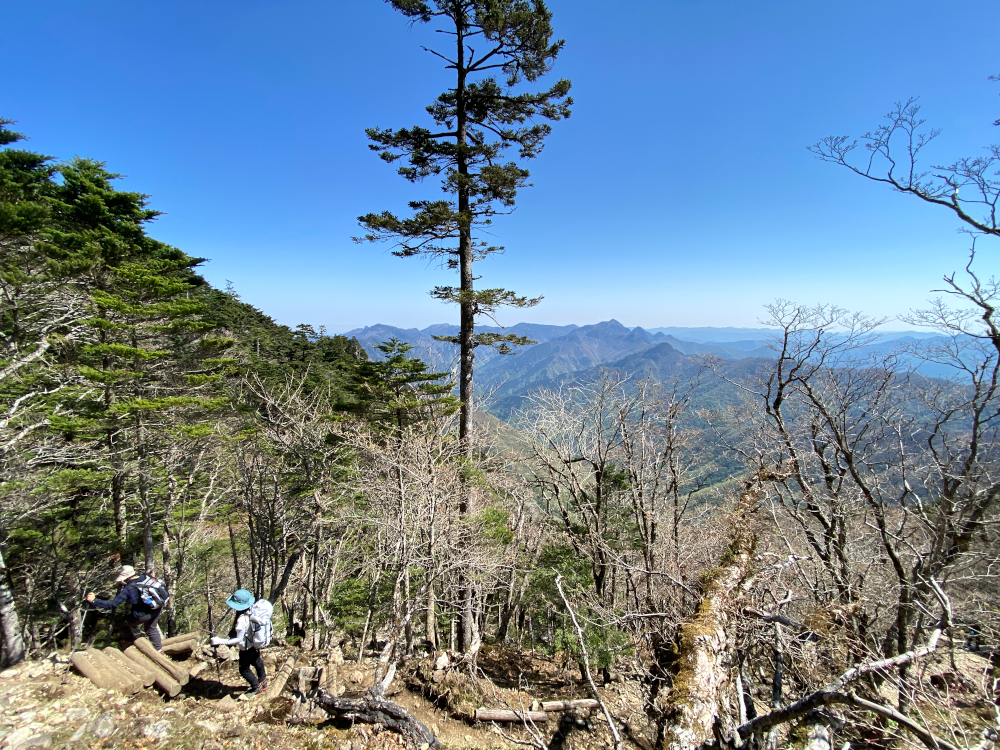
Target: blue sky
[679,193]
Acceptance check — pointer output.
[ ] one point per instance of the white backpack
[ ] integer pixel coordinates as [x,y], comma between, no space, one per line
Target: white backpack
[259,631]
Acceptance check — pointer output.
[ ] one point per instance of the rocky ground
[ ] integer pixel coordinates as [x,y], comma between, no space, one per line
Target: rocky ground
[46,704]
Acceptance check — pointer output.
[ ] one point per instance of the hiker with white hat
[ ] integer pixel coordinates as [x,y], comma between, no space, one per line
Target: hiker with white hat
[146,597]
[253,632]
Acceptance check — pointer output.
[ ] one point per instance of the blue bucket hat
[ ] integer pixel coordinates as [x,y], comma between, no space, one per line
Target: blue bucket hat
[240,600]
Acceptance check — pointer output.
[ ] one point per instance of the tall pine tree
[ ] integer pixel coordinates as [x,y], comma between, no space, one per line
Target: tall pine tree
[477,122]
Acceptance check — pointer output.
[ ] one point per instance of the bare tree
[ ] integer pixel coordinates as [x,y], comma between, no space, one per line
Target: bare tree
[891,155]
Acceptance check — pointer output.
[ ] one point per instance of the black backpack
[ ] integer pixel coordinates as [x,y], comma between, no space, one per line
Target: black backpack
[152,592]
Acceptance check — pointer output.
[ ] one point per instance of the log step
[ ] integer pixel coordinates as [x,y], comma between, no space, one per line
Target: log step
[172,668]
[279,680]
[180,647]
[163,680]
[181,638]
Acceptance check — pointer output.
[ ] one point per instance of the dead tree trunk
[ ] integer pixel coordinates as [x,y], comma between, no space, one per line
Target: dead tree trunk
[375,708]
[9,623]
[704,650]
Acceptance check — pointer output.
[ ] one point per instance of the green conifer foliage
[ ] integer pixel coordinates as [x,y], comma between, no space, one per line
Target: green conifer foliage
[477,123]
[398,391]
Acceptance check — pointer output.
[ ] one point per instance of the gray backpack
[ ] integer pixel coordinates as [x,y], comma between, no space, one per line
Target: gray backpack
[259,630]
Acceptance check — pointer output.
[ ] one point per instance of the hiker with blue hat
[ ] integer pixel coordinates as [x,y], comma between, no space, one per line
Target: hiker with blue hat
[253,632]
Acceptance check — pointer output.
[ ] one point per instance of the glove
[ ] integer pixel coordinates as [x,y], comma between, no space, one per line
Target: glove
[216,641]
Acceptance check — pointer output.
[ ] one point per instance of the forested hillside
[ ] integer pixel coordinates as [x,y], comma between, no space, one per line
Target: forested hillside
[152,420]
[549,536]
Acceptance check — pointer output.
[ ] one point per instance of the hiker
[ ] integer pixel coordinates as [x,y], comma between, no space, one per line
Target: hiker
[253,632]
[146,597]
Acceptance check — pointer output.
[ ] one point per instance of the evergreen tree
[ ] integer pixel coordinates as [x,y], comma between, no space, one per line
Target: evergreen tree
[477,122]
[398,391]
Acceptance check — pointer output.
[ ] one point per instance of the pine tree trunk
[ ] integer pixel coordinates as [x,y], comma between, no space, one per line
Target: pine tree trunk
[9,622]
[467,319]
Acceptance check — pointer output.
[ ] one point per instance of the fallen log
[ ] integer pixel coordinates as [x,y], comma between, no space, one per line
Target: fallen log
[174,670]
[496,714]
[278,684]
[374,708]
[164,681]
[704,650]
[569,705]
[180,647]
[127,665]
[92,672]
[127,683]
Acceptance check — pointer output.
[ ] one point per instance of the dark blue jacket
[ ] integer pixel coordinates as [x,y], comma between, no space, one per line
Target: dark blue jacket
[130,594]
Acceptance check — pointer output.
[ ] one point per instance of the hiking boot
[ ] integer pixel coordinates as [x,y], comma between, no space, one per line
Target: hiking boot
[262,686]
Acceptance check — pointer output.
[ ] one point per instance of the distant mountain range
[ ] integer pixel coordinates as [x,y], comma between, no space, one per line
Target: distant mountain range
[564,354]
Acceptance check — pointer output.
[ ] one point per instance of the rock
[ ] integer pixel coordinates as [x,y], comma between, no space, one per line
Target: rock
[39,741]
[356,676]
[9,674]
[437,676]
[234,731]
[209,745]
[101,727]
[158,730]
[442,662]
[336,656]
[27,717]
[77,714]
[357,746]
[209,726]
[17,737]
[226,705]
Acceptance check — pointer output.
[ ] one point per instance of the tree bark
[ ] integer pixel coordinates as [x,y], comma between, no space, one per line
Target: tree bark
[704,644]
[9,622]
